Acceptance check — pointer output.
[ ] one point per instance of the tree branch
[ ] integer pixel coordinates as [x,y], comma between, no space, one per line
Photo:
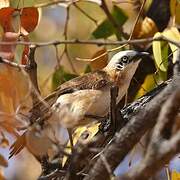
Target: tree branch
[31,68]
[94,42]
[12,64]
[54,3]
[85,13]
[163,146]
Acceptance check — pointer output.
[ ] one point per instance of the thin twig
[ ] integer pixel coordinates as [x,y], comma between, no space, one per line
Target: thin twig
[58,59]
[94,42]
[55,3]
[31,68]
[137,19]
[85,13]
[133,29]
[121,2]
[12,64]
[119,29]
[106,164]
[41,5]
[66,37]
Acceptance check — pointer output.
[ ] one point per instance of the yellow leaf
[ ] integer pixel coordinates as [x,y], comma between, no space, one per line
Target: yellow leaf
[146,28]
[175,10]
[173,7]
[91,130]
[175,175]
[148,84]
[157,52]
[101,62]
[172,34]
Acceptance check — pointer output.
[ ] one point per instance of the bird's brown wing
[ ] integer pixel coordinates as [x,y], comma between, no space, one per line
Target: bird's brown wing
[94,80]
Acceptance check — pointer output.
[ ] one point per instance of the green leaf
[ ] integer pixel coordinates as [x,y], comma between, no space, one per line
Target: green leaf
[119,16]
[106,29]
[60,76]
[164,53]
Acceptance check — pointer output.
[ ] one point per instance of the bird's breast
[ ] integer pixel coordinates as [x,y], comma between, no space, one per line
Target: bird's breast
[101,104]
[122,80]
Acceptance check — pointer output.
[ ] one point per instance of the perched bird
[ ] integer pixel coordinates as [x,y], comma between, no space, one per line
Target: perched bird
[87,95]
[92,95]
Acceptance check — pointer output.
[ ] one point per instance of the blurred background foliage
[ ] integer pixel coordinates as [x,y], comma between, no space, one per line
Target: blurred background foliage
[87,20]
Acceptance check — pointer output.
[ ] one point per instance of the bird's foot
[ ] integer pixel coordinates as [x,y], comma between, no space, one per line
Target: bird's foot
[96,117]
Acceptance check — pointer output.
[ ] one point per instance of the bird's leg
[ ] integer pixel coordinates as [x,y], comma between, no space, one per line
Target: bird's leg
[98,118]
[113,93]
[45,165]
[70,138]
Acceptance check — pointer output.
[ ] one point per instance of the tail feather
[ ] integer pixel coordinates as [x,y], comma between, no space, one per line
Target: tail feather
[17,146]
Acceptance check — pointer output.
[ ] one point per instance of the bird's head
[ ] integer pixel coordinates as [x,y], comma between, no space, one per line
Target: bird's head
[126,60]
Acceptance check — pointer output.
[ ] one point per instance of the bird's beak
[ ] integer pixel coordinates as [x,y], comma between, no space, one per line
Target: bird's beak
[141,55]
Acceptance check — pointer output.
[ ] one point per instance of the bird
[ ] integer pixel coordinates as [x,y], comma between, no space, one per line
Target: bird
[88,94]
[94,98]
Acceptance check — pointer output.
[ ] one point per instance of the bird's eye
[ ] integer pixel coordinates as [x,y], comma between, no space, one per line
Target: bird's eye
[124,59]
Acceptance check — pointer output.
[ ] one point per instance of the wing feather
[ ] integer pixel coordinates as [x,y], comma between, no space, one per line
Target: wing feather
[95,80]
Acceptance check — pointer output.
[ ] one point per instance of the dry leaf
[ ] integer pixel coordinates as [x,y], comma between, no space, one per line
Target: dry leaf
[175,10]
[29,18]
[3,161]
[6,19]
[100,62]
[14,91]
[146,28]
